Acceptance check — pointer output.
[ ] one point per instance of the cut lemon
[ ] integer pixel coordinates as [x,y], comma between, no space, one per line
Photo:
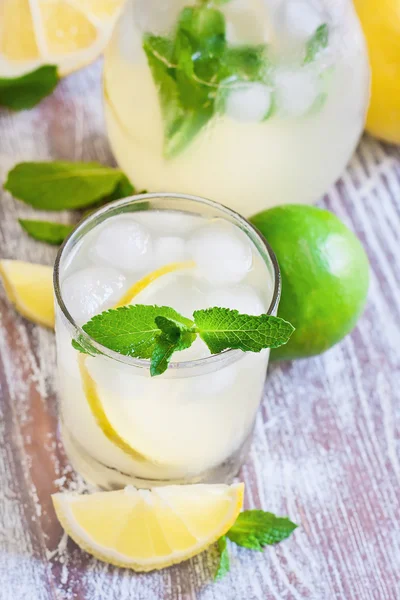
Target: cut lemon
[143,283]
[30,288]
[88,383]
[149,529]
[67,33]
[381,25]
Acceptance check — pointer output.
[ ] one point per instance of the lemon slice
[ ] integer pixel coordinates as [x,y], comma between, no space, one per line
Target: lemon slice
[30,288]
[143,283]
[89,384]
[67,33]
[149,529]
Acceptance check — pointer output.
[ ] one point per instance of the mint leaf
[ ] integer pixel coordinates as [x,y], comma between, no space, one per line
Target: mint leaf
[28,90]
[223,329]
[255,529]
[174,329]
[84,346]
[317,43]
[132,330]
[205,28]
[174,336]
[78,346]
[223,565]
[123,189]
[159,55]
[184,131]
[163,350]
[46,231]
[63,185]
[183,70]
[245,63]
[183,101]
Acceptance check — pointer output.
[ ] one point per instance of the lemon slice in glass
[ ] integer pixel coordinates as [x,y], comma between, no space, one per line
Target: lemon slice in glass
[90,388]
[149,529]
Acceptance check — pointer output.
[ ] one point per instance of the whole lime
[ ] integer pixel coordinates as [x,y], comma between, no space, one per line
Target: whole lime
[325,276]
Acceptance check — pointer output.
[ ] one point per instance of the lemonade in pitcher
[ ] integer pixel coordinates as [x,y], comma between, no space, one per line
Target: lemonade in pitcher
[249,102]
[193,422]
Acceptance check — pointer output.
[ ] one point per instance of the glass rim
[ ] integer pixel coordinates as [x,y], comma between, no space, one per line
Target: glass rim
[116,204]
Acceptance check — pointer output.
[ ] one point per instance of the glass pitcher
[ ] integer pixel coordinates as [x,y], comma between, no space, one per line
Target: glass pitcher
[251,103]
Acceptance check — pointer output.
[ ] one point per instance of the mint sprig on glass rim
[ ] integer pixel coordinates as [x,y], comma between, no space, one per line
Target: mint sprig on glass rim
[155,332]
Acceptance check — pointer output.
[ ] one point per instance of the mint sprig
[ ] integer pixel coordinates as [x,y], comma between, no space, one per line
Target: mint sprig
[256,529]
[190,69]
[156,332]
[195,69]
[61,185]
[46,231]
[26,91]
[253,529]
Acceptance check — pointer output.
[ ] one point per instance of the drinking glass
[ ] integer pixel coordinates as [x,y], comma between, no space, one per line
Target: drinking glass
[191,424]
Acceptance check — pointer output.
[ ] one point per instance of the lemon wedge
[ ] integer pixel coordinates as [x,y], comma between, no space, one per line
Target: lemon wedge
[66,33]
[149,529]
[30,288]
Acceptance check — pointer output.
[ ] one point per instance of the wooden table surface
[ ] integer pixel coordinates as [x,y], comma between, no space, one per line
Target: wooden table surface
[326,450]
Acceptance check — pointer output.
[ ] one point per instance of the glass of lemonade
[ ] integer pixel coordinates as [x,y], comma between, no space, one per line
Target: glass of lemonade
[250,102]
[194,422]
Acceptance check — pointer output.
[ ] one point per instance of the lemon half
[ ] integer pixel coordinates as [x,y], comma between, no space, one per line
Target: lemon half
[381,25]
[149,529]
[67,33]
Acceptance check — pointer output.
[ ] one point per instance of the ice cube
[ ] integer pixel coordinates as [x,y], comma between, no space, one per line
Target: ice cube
[168,222]
[155,16]
[115,378]
[177,290]
[215,382]
[296,90]
[168,250]
[123,243]
[240,297]
[243,23]
[248,102]
[302,19]
[91,290]
[222,253]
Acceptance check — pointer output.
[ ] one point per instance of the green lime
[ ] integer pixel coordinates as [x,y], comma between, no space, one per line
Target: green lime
[325,276]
